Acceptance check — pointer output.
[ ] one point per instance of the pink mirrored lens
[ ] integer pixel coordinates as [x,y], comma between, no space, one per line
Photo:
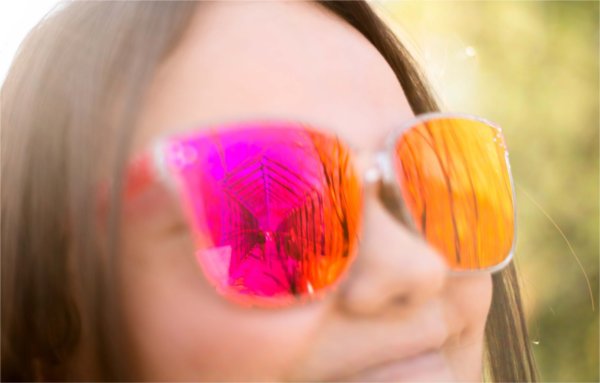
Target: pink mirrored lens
[274,208]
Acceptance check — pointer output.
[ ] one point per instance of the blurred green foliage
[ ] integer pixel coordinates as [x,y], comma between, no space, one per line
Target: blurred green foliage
[532,67]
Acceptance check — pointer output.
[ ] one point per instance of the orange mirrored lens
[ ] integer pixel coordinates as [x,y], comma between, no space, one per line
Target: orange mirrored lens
[454,179]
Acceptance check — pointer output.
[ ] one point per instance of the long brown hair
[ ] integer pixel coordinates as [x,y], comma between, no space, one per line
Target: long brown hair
[72,93]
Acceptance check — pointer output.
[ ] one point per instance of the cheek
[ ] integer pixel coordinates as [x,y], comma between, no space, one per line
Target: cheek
[469,299]
[181,329]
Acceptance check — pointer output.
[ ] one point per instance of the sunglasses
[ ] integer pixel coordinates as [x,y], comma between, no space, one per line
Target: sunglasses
[275,207]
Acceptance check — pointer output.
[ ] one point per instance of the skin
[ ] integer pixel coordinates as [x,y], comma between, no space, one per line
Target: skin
[243,61]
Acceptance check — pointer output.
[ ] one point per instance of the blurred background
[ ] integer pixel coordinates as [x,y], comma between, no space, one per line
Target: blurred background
[532,67]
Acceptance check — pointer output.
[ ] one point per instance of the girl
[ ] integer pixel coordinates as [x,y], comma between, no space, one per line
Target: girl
[248,191]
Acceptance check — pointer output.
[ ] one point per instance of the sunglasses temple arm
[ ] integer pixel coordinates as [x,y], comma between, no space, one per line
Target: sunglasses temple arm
[146,169]
[139,175]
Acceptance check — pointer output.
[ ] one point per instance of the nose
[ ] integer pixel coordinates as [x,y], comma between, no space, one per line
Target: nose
[395,269]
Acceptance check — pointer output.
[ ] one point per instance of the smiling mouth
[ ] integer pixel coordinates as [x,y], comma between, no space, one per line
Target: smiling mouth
[426,366]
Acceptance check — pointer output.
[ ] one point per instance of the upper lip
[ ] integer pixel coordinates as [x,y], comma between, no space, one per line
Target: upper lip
[376,354]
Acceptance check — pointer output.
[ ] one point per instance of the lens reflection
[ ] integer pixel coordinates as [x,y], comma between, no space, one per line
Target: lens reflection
[455,181]
[274,208]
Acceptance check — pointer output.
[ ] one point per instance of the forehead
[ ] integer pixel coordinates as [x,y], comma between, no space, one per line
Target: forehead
[274,60]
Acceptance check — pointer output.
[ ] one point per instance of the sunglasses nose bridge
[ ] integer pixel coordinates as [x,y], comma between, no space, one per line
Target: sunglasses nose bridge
[379,181]
[372,167]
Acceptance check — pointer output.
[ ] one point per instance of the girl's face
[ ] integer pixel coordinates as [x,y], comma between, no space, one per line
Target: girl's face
[396,315]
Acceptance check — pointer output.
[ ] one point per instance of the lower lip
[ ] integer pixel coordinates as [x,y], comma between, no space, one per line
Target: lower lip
[426,366]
